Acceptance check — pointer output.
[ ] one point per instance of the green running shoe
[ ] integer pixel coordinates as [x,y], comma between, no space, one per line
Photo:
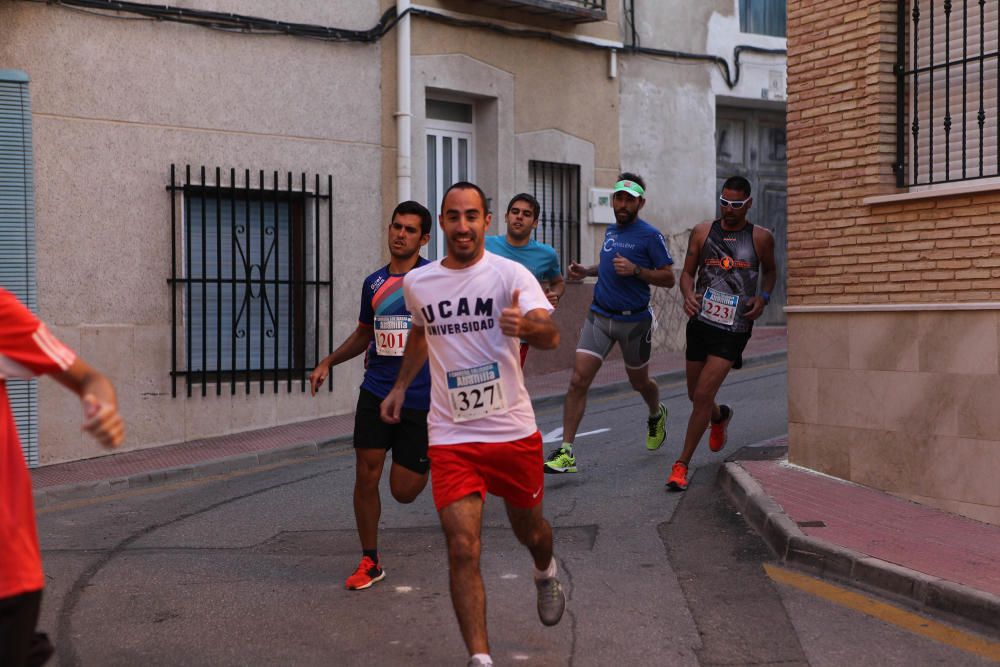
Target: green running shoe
[561,460]
[657,430]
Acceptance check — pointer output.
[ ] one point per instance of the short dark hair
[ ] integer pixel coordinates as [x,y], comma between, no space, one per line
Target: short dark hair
[524,196]
[629,176]
[414,208]
[465,185]
[737,183]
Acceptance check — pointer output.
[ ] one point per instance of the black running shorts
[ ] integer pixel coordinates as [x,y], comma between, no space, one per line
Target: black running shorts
[407,440]
[704,339]
[18,616]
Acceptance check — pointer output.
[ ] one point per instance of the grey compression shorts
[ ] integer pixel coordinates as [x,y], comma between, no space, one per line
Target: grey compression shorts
[599,334]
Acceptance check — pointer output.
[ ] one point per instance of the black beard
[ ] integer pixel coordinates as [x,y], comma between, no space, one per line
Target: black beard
[629,220]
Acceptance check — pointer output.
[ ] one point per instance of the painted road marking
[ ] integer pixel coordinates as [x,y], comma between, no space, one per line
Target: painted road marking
[887,613]
[555,435]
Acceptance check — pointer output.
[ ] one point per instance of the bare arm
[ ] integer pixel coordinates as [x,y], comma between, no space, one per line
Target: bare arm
[414,358]
[535,327]
[764,245]
[100,404]
[577,272]
[555,290]
[660,277]
[352,346]
[692,302]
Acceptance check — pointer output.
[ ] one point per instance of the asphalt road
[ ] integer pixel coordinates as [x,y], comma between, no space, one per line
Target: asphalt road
[247,568]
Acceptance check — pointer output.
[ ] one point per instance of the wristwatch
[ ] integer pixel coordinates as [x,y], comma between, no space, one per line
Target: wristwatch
[766,296]
[637,270]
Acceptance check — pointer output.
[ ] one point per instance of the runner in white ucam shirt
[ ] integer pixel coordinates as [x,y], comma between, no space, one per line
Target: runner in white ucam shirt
[478,392]
[469,311]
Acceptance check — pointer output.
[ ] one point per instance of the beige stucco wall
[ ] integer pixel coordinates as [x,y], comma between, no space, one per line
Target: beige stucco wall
[116,102]
[525,90]
[902,401]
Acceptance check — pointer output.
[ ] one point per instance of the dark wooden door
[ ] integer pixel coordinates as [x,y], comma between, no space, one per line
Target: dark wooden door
[751,143]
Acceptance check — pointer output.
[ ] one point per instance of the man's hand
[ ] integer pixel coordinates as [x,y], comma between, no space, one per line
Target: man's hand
[623,267]
[692,304]
[755,308]
[510,317]
[103,421]
[318,376]
[392,406]
[576,271]
[552,297]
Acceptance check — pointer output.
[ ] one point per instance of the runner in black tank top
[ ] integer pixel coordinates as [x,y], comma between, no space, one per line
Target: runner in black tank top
[728,265]
[725,259]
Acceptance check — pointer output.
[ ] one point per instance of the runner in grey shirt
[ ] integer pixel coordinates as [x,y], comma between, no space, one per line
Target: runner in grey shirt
[729,256]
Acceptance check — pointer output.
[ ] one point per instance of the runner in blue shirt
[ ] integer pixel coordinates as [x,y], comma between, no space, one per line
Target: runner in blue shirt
[633,256]
[541,259]
[383,326]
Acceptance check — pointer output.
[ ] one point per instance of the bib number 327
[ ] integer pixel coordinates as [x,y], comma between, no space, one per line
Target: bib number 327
[719,306]
[475,392]
[390,334]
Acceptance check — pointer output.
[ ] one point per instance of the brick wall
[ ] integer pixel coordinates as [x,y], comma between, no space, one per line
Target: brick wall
[841,147]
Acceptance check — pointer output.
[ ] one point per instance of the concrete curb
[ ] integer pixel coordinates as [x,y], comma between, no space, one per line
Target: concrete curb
[92,489]
[153,478]
[818,556]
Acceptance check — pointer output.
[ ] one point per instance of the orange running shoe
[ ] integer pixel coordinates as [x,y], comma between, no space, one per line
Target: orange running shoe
[719,431]
[368,573]
[678,480]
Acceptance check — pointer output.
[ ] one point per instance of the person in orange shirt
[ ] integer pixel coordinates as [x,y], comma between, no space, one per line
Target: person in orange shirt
[27,349]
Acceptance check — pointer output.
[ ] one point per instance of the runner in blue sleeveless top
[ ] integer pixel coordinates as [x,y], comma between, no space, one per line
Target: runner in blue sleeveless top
[383,327]
[633,257]
[728,255]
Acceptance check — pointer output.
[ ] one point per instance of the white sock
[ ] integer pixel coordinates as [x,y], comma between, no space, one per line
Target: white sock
[483,658]
[568,448]
[547,573]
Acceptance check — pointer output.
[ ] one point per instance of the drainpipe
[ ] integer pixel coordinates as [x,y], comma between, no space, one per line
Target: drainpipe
[404,115]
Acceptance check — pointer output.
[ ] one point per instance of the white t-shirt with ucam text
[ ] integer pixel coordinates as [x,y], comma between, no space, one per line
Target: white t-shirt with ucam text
[477,389]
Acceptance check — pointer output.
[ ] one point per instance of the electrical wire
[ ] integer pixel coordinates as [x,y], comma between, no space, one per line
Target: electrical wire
[230,22]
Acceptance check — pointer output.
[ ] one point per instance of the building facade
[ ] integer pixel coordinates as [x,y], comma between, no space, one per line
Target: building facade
[702,99]
[206,201]
[211,180]
[894,271]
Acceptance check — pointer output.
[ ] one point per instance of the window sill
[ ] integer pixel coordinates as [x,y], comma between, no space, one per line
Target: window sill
[934,192]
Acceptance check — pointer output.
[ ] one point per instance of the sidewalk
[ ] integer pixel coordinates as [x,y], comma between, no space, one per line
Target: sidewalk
[852,533]
[840,530]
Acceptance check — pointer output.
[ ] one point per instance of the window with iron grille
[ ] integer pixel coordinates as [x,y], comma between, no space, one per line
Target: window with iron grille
[248,295]
[556,186]
[948,91]
[763,17]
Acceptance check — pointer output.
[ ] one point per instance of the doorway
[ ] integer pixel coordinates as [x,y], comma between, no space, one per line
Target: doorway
[751,143]
[450,158]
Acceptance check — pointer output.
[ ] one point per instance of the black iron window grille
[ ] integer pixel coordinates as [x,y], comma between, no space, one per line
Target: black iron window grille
[248,297]
[947,91]
[557,188]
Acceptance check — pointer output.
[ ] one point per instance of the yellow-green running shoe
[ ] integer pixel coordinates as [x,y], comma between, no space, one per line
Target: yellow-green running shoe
[657,429]
[560,460]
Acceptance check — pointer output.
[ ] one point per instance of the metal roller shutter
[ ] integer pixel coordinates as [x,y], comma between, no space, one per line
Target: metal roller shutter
[17,234]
